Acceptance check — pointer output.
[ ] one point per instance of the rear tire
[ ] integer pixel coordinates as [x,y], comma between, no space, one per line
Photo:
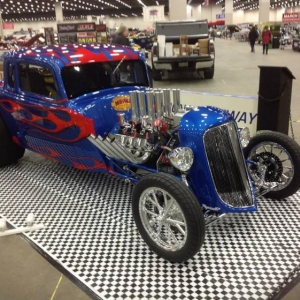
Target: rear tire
[289,152]
[209,73]
[10,152]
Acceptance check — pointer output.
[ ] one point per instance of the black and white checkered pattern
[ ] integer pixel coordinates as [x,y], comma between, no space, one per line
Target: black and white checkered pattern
[91,233]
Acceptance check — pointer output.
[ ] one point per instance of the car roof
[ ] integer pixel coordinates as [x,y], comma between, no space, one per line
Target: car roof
[72,54]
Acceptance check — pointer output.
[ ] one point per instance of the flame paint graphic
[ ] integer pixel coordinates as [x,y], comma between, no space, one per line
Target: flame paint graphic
[60,124]
[78,162]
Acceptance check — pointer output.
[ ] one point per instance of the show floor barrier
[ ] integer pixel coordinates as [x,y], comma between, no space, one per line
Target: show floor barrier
[91,235]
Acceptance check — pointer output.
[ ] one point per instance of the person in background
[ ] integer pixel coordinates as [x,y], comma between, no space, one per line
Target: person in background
[213,34]
[121,36]
[266,39]
[253,35]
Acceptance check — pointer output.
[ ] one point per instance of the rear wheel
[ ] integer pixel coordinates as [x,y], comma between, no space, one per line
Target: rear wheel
[168,217]
[209,73]
[10,152]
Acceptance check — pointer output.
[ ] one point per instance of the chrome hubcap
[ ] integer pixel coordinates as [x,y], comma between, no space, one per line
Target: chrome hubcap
[276,163]
[163,219]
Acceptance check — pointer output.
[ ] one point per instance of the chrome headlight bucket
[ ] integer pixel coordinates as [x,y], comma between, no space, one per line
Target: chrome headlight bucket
[182,158]
[244,137]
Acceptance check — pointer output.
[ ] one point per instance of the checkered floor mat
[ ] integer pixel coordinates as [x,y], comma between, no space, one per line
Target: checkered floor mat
[91,233]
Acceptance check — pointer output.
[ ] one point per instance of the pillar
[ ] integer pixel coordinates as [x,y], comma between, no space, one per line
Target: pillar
[264,11]
[1,27]
[229,12]
[89,19]
[59,12]
[177,10]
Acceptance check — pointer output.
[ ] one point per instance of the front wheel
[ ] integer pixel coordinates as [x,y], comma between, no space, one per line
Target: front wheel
[276,158]
[168,217]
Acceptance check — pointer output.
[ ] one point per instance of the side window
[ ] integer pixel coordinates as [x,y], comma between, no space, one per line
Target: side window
[38,80]
[11,79]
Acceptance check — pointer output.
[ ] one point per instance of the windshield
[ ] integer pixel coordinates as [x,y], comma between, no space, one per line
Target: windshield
[87,78]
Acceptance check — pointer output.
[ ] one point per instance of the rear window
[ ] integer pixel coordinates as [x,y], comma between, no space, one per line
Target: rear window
[87,78]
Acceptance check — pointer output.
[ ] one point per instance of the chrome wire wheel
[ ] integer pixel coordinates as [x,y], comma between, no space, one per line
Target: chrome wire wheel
[168,217]
[277,161]
[163,219]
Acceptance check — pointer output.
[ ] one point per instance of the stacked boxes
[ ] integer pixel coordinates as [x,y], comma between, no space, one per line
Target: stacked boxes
[182,49]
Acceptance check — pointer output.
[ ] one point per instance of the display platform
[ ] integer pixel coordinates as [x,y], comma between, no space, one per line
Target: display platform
[91,235]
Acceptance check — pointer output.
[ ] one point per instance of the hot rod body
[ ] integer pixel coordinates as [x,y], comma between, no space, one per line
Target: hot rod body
[90,107]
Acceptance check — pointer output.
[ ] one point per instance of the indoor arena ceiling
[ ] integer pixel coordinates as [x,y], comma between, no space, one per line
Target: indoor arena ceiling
[26,10]
[18,9]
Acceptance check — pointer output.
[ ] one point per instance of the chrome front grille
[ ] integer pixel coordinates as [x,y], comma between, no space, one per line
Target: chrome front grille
[227,165]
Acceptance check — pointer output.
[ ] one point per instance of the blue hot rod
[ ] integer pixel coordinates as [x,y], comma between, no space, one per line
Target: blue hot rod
[90,107]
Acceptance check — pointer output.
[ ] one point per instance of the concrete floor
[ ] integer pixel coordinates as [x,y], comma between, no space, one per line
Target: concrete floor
[26,275]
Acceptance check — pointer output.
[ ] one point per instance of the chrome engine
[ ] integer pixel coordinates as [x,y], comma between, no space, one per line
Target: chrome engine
[153,113]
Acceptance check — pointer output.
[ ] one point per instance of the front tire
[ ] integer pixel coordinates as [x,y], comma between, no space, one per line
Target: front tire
[280,154]
[168,217]
[10,152]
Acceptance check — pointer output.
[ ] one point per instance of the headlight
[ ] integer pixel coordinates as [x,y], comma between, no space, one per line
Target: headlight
[245,137]
[182,158]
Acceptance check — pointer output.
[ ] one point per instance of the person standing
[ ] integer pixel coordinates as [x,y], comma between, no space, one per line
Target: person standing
[253,35]
[121,36]
[266,39]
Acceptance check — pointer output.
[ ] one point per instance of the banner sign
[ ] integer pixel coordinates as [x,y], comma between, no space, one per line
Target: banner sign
[242,108]
[66,28]
[220,16]
[154,13]
[79,27]
[8,25]
[101,28]
[291,17]
[85,37]
[86,27]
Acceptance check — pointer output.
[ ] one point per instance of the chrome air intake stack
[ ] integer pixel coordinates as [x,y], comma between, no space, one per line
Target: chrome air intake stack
[134,106]
[159,99]
[154,104]
[176,100]
[167,102]
[151,106]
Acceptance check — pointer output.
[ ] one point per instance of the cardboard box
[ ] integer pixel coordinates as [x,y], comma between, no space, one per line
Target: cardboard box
[203,43]
[161,50]
[161,40]
[183,45]
[203,50]
[176,50]
[183,49]
[184,39]
[195,51]
[169,49]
